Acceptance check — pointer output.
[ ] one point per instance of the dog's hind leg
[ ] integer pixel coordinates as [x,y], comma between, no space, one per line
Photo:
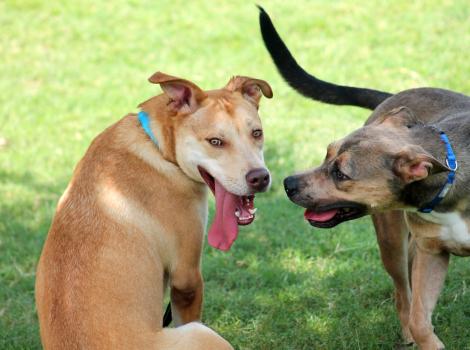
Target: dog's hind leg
[429,273]
[392,236]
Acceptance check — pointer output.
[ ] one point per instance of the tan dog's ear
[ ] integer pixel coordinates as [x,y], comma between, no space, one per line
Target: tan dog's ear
[401,116]
[184,95]
[252,89]
[413,164]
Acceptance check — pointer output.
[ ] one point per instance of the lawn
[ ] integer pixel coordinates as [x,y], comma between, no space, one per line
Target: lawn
[70,68]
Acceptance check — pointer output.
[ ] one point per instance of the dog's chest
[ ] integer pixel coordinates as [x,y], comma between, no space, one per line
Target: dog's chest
[453,231]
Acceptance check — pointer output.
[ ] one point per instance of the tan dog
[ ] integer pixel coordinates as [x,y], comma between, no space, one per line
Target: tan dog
[133,217]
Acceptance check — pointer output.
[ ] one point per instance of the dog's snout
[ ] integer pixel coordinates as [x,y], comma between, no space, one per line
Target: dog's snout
[291,185]
[258,179]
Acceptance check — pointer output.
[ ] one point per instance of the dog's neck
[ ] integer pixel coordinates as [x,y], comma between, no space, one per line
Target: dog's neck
[161,126]
[418,194]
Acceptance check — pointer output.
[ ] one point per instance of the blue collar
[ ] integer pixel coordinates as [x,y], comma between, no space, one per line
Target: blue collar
[451,162]
[144,120]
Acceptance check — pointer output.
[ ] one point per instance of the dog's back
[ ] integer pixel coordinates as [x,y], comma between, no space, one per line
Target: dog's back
[82,237]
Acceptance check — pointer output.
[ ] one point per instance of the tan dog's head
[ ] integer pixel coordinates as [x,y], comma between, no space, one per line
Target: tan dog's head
[363,173]
[216,137]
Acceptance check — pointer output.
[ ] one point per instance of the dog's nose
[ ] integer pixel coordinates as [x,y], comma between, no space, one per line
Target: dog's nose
[258,179]
[291,185]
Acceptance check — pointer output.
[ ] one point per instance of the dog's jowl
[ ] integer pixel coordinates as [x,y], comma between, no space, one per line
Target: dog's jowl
[133,217]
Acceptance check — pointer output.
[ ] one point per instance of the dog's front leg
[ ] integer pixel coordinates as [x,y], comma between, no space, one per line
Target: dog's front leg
[428,275]
[186,294]
[392,236]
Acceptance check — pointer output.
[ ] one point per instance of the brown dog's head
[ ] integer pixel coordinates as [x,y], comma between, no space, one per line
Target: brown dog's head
[215,137]
[363,173]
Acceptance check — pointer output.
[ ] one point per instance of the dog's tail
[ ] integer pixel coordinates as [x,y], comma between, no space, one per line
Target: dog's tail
[307,84]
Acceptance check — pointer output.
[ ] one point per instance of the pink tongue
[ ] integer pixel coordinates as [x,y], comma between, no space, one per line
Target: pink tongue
[224,229]
[320,217]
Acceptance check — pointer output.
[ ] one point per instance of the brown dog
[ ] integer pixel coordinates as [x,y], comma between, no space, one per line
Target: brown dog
[393,168]
[133,217]
[400,169]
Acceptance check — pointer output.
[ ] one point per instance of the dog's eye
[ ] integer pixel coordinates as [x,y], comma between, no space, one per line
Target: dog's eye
[339,175]
[257,133]
[216,142]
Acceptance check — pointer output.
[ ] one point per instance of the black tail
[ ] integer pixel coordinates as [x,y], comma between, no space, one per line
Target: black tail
[307,84]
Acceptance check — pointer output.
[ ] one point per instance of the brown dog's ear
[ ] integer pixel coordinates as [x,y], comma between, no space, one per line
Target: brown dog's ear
[413,164]
[252,89]
[401,116]
[184,95]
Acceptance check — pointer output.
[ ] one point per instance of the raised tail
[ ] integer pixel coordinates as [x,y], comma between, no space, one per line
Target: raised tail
[306,84]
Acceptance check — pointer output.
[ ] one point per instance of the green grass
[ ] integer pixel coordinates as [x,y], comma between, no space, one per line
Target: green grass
[69,69]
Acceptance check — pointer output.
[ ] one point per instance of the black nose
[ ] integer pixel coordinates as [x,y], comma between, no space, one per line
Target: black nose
[291,185]
[258,179]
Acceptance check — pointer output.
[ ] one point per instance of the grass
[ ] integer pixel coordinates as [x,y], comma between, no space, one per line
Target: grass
[69,69]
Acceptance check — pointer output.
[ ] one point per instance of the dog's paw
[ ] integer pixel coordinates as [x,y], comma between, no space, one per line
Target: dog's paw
[407,337]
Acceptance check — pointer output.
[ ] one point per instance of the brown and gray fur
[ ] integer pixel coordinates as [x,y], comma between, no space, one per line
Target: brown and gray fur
[395,164]
[402,133]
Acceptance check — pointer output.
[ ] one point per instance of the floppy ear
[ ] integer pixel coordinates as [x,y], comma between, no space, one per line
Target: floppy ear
[401,116]
[413,164]
[252,89]
[184,95]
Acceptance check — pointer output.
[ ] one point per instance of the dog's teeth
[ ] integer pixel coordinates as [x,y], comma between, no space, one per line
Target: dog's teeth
[252,211]
[248,217]
[237,213]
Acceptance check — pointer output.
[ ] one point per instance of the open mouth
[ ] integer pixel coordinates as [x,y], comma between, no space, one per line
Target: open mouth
[334,214]
[231,210]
